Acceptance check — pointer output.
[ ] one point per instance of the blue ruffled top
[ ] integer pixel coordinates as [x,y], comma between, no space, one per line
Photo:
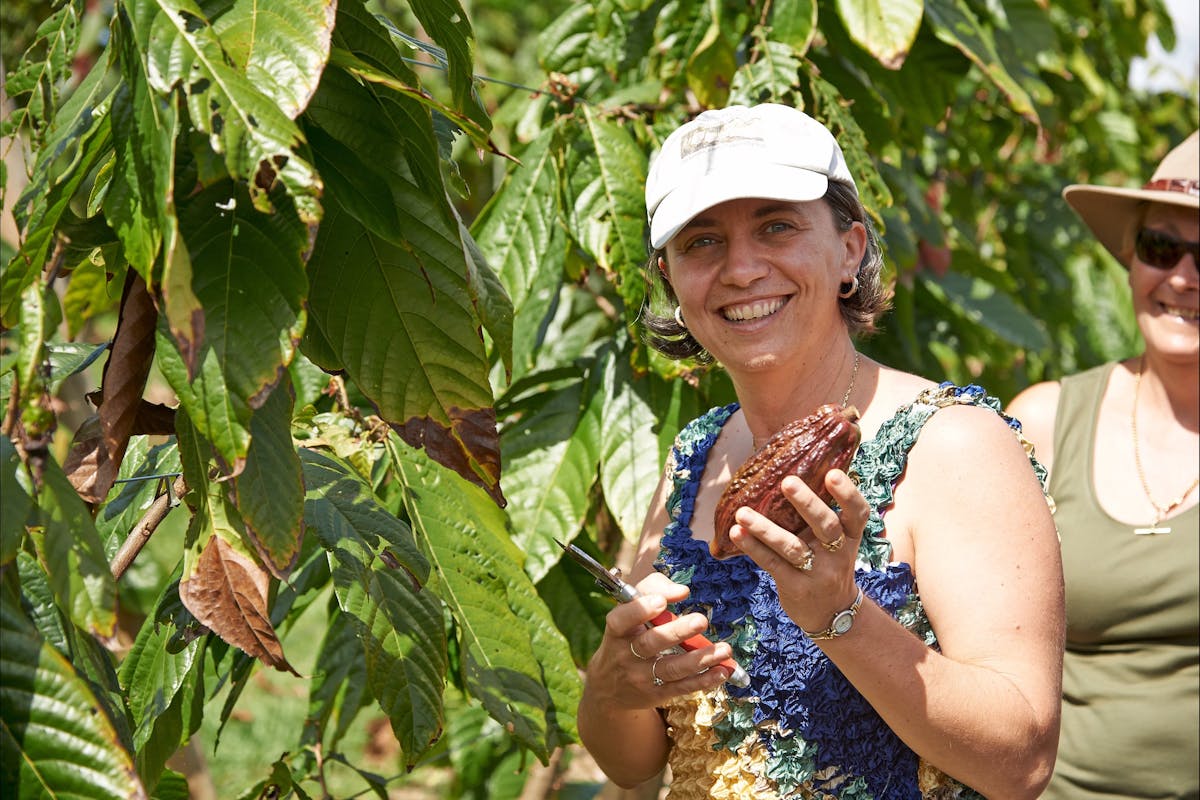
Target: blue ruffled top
[819,735]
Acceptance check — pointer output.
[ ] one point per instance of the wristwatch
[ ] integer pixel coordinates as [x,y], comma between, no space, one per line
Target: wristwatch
[841,623]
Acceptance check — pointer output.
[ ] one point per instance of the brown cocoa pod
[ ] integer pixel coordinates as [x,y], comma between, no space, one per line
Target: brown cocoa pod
[809,448]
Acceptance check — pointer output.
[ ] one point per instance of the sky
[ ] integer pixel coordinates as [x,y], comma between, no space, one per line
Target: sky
[1178,70]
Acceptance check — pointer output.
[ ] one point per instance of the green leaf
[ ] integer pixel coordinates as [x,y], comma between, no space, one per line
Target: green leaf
[250,279]
[983,304]
[152,674]
[794,23]
[884,28]
[449,25]
[606,206]
[260,144]
[769,78]
[140,201]
[281,46]
[712,64]
[399,623]
[955,24]
[339,684]
[78,140]
[519,234]
[629,466]
[171,786]
[72,554]
[551,455]
[18,502]
[42,72]
[270,491]
[56,738]
[516,663]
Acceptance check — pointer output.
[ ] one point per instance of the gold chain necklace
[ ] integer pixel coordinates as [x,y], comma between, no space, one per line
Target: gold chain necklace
[845,397]
[1160,512]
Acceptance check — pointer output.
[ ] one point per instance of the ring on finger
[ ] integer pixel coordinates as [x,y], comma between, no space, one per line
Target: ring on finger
[807,564]
[836,544]
[633,650]
[657,681]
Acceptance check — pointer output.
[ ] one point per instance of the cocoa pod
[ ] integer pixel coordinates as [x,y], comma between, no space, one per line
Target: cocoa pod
[809,448]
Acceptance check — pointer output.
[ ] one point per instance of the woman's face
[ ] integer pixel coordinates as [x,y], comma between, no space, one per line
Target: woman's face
[1166,302]
[756,278]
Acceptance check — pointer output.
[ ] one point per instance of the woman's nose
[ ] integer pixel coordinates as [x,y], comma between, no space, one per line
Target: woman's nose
[744,262]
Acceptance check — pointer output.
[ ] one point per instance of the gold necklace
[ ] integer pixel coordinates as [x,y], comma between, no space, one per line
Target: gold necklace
[845,397]
[1160,512]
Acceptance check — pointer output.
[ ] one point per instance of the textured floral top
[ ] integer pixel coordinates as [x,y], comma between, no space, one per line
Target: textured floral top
[800,729]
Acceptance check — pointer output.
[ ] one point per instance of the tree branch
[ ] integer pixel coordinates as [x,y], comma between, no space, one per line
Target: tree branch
[150,521]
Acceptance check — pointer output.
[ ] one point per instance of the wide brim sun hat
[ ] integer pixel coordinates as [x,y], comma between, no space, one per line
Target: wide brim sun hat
[1110,211]
[768,151]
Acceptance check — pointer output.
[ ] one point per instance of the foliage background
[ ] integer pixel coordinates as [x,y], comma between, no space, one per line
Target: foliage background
[362,281]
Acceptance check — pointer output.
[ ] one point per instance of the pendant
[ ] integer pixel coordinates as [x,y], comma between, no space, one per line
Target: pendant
[1153,529]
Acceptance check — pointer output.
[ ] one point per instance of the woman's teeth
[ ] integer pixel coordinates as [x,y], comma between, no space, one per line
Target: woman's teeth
[754,310]
[1185,313]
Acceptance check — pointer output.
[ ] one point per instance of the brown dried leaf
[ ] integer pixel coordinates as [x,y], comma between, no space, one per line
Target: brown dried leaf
[93,463]
[228,595]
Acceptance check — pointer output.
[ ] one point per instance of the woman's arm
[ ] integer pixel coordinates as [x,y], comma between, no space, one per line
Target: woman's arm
[618,717]
[985,709]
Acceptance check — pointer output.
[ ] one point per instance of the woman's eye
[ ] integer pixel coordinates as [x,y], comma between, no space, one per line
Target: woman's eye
[700,241]
[778,227]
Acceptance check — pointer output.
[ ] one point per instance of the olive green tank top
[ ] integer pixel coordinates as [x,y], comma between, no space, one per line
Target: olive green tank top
[1131,671]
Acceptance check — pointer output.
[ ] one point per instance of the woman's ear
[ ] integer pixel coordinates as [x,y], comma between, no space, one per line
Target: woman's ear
[856,246]
[662,269]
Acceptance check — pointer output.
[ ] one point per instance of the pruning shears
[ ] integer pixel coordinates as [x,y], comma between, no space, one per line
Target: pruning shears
[624,592]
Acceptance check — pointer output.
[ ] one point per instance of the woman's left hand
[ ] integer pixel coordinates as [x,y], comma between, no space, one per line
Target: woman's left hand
[813,568]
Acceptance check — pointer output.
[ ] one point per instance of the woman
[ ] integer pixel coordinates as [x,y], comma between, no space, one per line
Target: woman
[1121,444]
[762,240]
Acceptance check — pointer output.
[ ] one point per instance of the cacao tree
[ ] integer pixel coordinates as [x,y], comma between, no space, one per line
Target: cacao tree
[356,287]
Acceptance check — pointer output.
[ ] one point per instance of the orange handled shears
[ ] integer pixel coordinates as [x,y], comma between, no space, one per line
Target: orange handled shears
[624,592]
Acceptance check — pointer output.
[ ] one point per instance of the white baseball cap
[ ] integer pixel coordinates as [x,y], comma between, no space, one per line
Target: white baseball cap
[770,151]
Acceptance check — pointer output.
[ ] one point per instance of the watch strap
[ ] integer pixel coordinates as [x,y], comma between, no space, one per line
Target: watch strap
[831,632]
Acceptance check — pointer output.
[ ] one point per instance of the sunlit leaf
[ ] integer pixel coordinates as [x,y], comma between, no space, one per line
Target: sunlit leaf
[516,663]
[56,738]
[884,28]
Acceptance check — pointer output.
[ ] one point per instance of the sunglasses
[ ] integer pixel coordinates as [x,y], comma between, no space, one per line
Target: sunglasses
[1163,251]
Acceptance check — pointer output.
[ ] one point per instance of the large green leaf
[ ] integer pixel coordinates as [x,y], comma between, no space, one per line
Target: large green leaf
[983,304]
[516,662]
[339,684]
[794,23]
[551,455]
[712,64]
[249,276]
[519,234]
[884,28]
[606,205]
[631,456]
[140,201]
[72,554]
[270,491]
[281,46]
[56,737]
[258,141]
[43,75]
[378,578]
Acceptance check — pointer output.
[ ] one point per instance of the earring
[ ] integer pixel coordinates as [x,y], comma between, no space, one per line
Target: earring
[846,293]
[679,318]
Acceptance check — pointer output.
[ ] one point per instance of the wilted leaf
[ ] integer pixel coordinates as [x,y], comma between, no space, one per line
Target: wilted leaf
[227,593]
[92,466]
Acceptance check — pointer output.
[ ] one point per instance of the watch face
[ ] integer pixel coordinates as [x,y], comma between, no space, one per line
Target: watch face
[842,622]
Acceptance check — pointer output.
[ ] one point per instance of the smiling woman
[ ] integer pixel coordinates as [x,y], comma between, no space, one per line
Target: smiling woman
[860,685]
[1122,445]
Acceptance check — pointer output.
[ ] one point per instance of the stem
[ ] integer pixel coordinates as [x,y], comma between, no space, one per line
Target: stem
[146,526]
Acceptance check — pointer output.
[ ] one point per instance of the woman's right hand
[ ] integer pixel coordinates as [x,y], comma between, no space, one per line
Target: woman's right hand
[622,673]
